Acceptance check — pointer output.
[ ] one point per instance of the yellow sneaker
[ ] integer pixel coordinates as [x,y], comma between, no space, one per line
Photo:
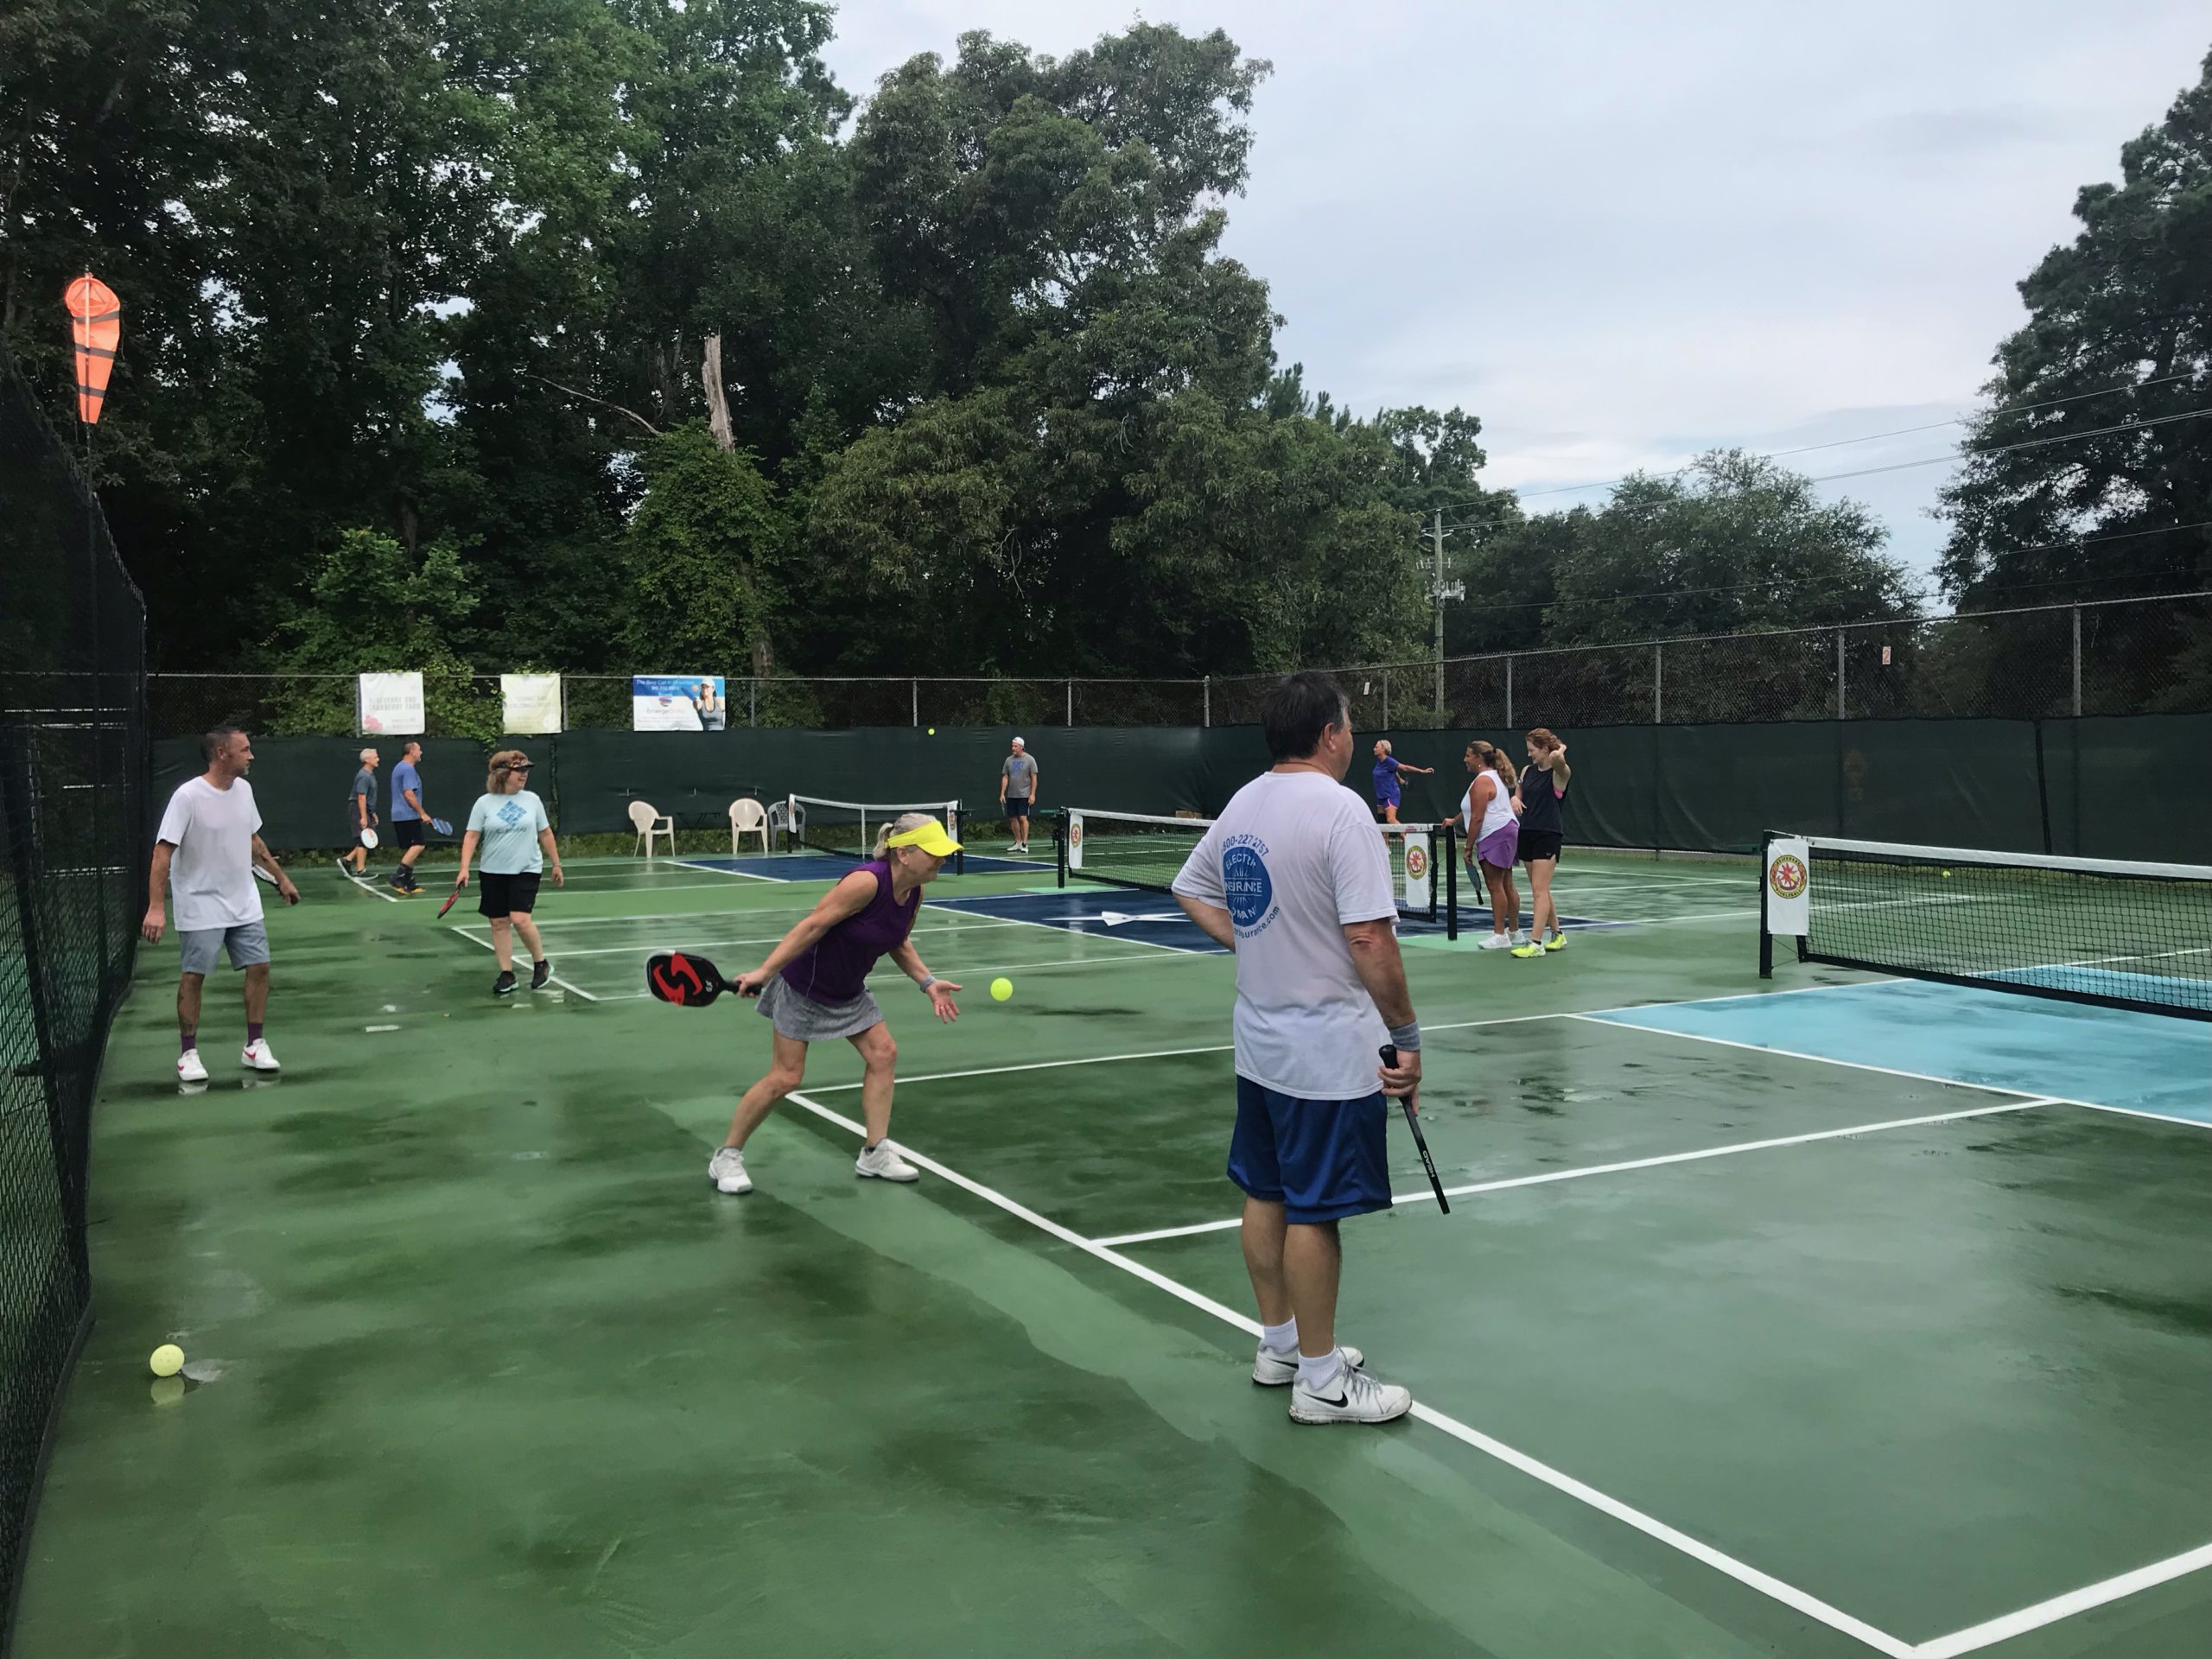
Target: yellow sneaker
[1531,948]
[1557,942]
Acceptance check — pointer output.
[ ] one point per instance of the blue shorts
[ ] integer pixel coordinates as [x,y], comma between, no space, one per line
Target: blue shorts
[1321,1160]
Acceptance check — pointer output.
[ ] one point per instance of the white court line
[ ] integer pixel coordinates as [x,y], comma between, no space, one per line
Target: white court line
[379,1028]
[708,869]
[648,946]
[1552,1176]
[2065,1606]
[1150,1054]
[1600,1017]
[954,906]
[1789,1595]
[589,889]
[554,978]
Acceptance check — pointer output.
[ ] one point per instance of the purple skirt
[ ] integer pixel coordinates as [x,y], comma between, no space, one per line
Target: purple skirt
[1500,847]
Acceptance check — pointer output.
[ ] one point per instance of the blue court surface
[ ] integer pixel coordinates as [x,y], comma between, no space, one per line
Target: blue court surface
[2080,1054]
[829,867]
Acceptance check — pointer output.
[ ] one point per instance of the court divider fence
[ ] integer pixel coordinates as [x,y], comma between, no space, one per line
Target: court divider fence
[2126,786]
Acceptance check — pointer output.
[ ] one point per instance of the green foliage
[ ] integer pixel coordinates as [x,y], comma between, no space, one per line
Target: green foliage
[2119,322]
[705,554]
[375,607]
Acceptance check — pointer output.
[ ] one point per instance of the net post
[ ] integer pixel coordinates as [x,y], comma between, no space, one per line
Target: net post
[1060,847]
[1451,882]
[1766,939]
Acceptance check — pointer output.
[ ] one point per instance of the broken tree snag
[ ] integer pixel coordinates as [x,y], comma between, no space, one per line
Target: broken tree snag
[710,376]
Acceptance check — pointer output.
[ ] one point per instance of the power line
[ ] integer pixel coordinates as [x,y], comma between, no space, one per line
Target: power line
[1871,437]
[1837,583]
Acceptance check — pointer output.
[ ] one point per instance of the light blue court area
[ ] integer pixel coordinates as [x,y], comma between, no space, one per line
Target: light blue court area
[2028,1045]
[830,867]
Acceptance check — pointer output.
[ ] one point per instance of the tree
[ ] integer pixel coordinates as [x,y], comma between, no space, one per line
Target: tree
[704,555]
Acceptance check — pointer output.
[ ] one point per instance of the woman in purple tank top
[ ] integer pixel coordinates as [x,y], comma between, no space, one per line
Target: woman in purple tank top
[813,987]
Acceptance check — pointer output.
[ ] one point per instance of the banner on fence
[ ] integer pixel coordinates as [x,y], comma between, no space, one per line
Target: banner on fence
[389,705]
[533,703]
[678,703]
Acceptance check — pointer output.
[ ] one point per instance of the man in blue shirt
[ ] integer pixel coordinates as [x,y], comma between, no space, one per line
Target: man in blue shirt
[410,819]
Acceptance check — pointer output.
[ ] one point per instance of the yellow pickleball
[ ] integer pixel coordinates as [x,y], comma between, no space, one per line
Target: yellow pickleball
[168,1360]
[1001,989]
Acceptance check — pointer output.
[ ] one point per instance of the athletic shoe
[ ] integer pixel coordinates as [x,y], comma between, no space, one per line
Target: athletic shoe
[541,975]
[1273,1371]
[882,1160]
[1557,942]
[1350,1396]
[398,886]
[257,1056]
[505,984]
[727,1171]
[1497,942]
[1531,948]
[188,1067]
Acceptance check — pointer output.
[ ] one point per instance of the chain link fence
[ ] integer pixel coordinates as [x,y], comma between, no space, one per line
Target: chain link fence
[73,783]
[2118,657]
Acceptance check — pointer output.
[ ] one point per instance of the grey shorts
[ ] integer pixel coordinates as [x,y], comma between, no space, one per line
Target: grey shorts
[805,1020]
[248,945]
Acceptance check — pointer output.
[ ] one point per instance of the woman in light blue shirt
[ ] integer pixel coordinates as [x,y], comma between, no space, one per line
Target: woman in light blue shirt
[509,823]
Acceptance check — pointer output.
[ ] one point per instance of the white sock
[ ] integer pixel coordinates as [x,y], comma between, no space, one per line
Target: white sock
[1314,1374]
[1280,1338]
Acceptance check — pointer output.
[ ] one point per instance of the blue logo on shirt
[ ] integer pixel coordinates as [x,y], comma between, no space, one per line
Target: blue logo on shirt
[511,814]
[1245,883]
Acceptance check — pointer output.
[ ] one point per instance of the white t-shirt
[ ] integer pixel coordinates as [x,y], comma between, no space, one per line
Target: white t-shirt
[211,873]
[509,825]
[1292,859]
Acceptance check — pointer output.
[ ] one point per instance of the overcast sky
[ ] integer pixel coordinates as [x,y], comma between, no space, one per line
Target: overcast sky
[1624,234]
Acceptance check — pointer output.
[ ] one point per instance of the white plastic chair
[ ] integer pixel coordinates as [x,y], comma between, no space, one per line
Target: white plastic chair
[748,817]
[648,822]
[788,820]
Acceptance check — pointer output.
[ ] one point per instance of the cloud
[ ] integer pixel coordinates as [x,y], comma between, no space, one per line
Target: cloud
[1621,234]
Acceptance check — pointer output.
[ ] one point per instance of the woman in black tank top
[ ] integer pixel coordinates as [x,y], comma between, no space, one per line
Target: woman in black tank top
[1541,797]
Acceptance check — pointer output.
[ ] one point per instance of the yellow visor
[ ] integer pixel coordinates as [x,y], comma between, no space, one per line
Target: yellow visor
[929,837]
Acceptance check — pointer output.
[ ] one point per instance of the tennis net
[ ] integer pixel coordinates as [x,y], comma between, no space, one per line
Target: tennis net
[2100,930]
[848,828]
[1136,850]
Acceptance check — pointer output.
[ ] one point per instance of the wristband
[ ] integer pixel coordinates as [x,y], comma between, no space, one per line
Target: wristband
[1406,1039]
[926,983]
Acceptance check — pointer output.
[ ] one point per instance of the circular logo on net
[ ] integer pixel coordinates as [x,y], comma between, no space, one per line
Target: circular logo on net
[1787,877]
[1244,879]
[1416,861]
[1075,835]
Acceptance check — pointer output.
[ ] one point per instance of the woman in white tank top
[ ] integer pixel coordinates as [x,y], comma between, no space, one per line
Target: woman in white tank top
[1493,834]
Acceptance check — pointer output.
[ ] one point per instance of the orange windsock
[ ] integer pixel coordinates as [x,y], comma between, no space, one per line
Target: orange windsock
[96,320]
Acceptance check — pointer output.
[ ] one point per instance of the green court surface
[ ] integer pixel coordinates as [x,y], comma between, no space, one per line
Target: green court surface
[1720,1352]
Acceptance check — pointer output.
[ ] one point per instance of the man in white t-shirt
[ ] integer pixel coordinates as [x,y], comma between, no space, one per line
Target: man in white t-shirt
[1293,878]
[205,853]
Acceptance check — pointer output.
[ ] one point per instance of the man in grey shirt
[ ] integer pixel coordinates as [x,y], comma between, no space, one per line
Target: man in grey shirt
[360,815]
[1017,789]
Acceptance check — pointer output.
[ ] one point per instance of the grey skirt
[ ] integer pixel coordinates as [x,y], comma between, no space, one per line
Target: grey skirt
[804,1020]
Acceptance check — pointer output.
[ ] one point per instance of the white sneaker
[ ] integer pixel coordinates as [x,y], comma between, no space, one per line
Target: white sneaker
[1350,1396]
[883,1163]
[726,1172]
[257,1056]
[1497,942]
[188,1067]
[1273,1371]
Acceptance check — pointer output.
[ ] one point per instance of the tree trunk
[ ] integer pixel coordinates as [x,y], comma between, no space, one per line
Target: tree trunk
[710,378]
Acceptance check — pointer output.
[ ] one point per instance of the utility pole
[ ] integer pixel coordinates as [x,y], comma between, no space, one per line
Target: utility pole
[1440,591]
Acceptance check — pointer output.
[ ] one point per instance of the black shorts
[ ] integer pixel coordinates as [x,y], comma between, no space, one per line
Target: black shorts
[1540,843]
[502,896]
[1017,809]
[409,832]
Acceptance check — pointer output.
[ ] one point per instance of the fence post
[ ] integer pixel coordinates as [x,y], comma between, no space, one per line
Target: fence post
[1208,716]
[1385,699]
[1508,692]
[1840,714]
[564,710]
[1071,702]
[751,705]
[915,688]
[2077,662]
[1657,685]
